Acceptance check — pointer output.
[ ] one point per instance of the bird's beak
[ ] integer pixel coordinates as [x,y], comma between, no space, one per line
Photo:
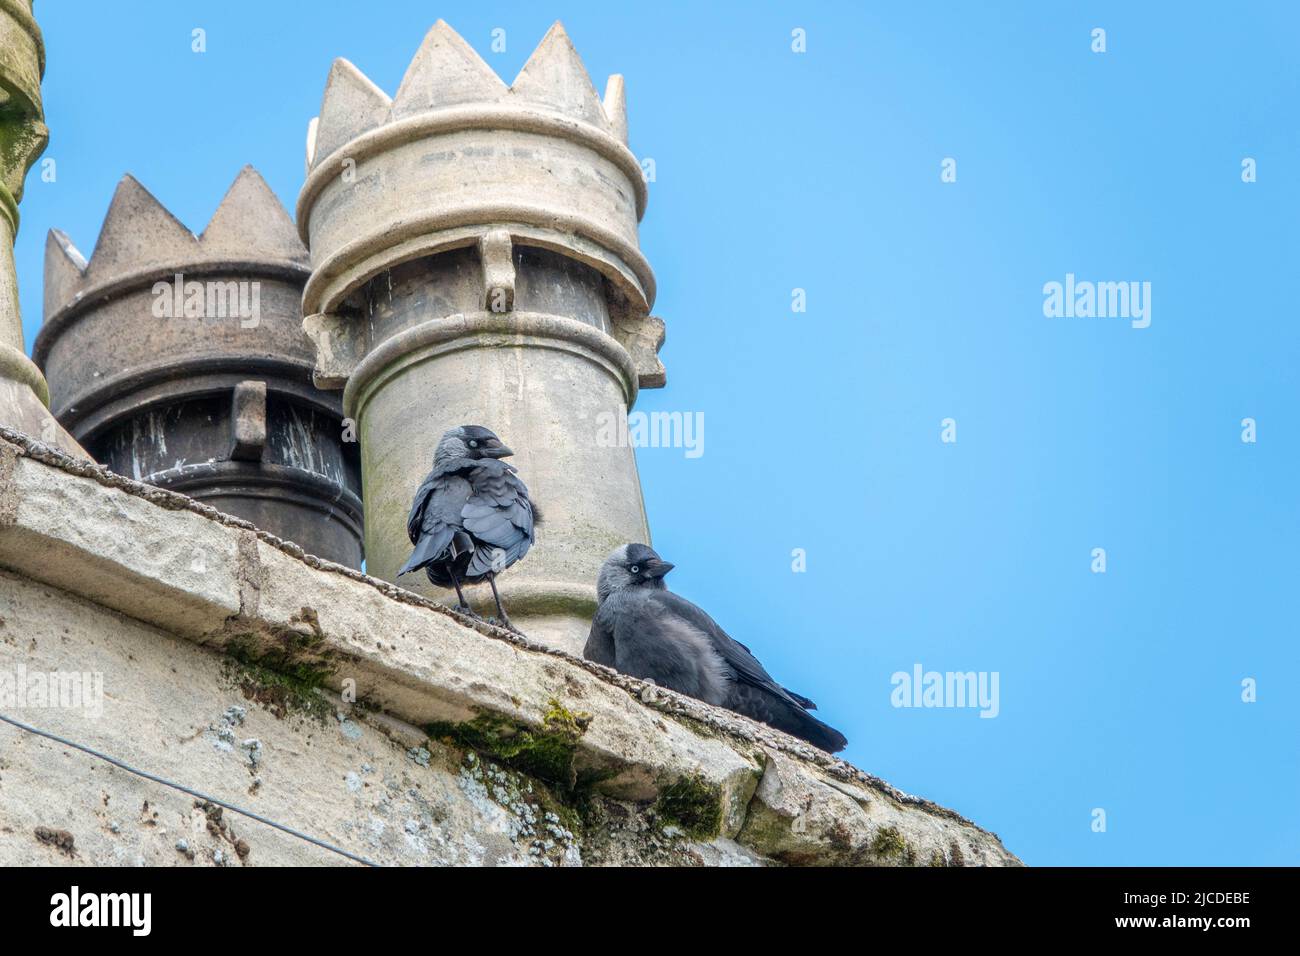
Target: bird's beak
[497,451]
[656,568]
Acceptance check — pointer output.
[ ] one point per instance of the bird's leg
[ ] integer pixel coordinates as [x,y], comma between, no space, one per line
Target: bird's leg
[502,616]
[463,607]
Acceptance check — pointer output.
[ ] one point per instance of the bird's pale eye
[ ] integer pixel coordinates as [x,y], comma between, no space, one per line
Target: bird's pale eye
[473,444]
[634,569]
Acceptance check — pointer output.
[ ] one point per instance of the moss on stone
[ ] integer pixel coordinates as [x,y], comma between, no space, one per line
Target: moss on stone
[559,720]
[692,804]
[276,679]
[764,830]
[955,856]
[889,844]
[286,661]
[546,752]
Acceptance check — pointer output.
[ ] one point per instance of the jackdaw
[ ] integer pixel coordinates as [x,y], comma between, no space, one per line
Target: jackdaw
[471,518]
[643,629]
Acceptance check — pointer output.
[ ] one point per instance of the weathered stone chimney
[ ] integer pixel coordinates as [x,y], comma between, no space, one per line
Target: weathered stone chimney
[181,362]
[24,394]
[475,261]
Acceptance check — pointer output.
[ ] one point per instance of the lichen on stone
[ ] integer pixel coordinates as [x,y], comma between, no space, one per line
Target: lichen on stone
[538,822]
[692,804]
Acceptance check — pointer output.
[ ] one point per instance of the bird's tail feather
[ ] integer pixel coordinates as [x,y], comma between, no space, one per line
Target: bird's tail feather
[425,552]
[819,734]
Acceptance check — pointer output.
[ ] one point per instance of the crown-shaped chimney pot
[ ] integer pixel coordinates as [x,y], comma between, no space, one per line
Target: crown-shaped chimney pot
[555,78]
[166,351]
[352,105]
[446,71]
[251,222]
[475,260]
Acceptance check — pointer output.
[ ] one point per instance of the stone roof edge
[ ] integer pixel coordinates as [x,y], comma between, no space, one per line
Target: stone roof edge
[745,733]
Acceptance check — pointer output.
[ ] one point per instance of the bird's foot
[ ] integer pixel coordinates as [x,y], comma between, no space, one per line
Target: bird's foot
[505,624]
[467,611]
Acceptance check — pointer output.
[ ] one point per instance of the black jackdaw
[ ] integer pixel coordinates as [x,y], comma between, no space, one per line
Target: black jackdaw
[471,518]
[643,629]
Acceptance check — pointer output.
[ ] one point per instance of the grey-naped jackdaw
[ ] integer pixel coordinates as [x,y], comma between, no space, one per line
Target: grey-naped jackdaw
[643,629]
[471,517]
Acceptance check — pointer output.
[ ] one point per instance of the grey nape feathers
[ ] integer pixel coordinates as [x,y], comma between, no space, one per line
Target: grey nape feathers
[643,629]
[471,517]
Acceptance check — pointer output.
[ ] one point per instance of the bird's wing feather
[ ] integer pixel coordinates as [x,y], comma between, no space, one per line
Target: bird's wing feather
[499,513]
[752,691]
[657,635]
[416,518]
[800,699]
[738,657]
[441,478]
[600,639]
[653,642]
[760,704]
[435,518]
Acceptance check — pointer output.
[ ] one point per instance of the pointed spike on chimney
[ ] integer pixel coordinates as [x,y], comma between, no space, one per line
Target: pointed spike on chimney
[555,77]
[615,106]
[312,125]
[352,104]
[445,71]
[252,223]
[138,229]
[60,241]
[65,267]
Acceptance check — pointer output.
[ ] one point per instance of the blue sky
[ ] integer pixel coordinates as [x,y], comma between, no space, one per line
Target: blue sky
[821,171]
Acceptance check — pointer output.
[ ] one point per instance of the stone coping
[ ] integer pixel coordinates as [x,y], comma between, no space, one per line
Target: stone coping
[168,560]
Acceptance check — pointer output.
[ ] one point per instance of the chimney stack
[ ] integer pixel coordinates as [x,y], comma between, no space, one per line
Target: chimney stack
[475,261]
[181,361]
